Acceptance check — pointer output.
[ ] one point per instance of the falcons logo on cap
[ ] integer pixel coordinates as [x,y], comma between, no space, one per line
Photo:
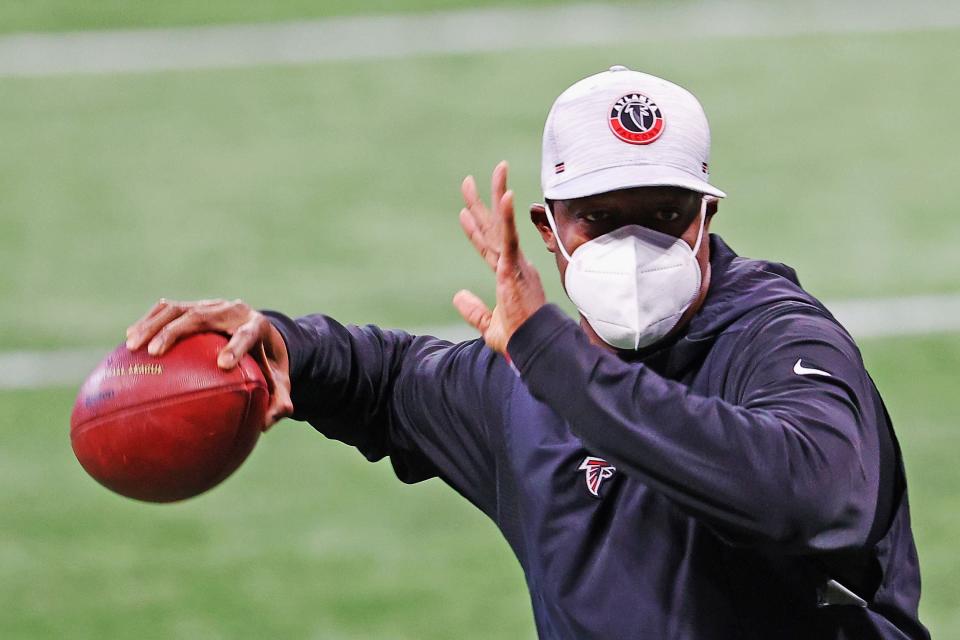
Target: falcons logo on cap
[597,470]
[636,119]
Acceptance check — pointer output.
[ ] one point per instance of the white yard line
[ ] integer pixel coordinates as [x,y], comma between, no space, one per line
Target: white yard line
[462,31]
[865,318]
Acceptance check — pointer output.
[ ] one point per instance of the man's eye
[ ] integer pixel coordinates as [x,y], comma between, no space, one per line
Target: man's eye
[667,216]
[595,216]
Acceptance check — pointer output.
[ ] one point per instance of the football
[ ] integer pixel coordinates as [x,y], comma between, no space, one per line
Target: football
[166,428]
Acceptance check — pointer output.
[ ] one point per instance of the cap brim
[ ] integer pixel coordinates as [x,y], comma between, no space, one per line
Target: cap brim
[629,177]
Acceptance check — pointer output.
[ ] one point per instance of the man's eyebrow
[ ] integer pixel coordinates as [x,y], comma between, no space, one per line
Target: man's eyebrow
[679,203]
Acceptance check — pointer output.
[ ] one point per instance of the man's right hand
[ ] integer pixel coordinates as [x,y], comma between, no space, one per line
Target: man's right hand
[249,331]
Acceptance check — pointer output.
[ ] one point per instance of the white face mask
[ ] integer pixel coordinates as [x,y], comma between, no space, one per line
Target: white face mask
[632,284]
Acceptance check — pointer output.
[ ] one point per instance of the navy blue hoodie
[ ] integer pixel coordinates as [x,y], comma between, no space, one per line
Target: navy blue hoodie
[742,481]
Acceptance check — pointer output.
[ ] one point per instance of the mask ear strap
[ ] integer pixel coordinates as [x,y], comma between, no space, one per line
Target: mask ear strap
[553,227]
[703,219]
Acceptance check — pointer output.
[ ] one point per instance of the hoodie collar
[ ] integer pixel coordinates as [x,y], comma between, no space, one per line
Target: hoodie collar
[737,286]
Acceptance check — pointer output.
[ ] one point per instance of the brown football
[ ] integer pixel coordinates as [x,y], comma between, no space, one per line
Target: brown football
[166,428]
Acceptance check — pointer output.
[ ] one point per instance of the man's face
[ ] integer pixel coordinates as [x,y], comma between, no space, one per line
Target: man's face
[670,210]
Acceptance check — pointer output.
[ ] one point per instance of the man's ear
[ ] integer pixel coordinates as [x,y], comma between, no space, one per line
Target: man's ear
[538,216]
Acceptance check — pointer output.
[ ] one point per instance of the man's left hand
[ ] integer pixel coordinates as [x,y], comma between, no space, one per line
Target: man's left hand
[494,236]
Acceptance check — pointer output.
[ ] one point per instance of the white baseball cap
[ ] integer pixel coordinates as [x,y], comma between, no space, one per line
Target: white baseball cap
[621,129]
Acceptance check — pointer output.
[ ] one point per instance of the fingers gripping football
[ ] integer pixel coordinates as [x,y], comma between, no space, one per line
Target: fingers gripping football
[249,330]
[169,320]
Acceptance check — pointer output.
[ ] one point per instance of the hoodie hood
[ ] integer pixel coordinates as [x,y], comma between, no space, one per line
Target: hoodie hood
[738,287]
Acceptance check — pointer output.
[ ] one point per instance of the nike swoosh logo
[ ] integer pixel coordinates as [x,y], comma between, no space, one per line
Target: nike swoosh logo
[801,370]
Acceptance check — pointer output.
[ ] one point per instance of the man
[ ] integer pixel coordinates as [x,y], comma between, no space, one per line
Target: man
[704,456]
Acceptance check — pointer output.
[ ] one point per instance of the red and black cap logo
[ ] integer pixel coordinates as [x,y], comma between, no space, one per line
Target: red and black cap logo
[636,119]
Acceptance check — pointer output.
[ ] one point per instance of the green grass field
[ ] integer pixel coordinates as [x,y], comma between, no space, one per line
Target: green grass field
[334,187]
[63,15]
[319,186]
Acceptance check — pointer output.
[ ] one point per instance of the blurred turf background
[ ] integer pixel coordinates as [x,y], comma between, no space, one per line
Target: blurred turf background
[334,187]
[60,15]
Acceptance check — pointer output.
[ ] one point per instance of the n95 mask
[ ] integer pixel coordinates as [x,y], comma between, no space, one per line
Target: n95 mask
[633,284]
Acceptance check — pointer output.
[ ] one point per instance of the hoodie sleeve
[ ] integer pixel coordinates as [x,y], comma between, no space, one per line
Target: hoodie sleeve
[422,401]
[792,462]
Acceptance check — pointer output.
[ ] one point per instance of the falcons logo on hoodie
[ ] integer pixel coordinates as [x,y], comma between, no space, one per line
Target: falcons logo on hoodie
[597,470]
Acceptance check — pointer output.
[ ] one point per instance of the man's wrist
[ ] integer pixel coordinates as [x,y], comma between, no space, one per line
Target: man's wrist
[536,334]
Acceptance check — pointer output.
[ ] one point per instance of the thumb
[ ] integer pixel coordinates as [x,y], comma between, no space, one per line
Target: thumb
[281,406]
[278,386]
[473,310]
